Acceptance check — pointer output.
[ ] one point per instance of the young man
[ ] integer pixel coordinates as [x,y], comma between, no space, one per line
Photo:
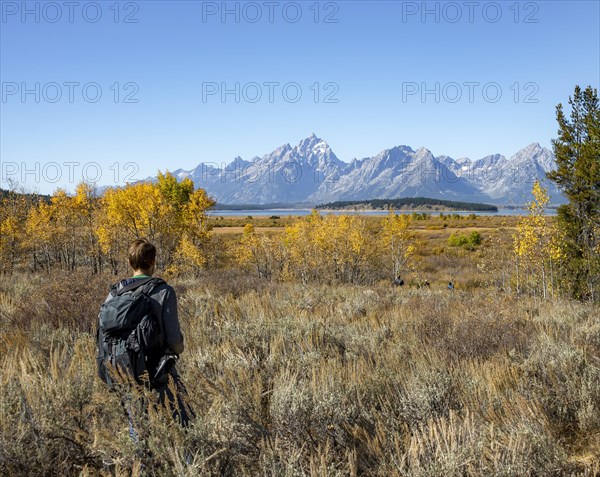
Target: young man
[163,303]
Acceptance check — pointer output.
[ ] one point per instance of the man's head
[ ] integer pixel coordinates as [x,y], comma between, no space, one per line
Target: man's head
[142,256]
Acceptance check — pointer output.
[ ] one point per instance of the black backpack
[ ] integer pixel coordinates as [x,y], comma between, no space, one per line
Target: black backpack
[129,335]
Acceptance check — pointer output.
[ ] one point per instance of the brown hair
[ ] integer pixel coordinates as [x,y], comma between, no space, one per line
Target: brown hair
[142,255]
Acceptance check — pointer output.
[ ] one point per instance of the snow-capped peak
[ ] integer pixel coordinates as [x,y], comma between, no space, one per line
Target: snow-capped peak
[310,171]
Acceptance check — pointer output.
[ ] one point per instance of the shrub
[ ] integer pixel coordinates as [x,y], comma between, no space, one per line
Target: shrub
[560,378]
[467,241]
[65,300]
[295,379]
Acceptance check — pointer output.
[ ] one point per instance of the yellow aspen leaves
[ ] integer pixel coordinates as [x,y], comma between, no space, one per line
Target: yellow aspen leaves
[395,240]
[333,248]
[169,213]
[536,246]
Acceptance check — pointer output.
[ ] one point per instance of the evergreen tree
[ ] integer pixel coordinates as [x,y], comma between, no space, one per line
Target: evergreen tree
[577,151]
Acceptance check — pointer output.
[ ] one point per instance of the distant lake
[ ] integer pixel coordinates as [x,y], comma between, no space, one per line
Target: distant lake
[302,212]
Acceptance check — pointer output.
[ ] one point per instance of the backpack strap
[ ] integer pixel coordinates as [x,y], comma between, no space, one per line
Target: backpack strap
[140,283]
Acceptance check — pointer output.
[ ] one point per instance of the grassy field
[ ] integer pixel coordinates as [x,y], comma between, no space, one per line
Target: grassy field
[289,379]
[434,221]
[434,259]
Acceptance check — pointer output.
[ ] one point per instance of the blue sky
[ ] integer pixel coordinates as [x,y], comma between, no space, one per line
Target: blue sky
[361,68]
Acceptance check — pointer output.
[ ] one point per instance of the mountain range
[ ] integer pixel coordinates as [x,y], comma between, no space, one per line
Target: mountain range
[310,172]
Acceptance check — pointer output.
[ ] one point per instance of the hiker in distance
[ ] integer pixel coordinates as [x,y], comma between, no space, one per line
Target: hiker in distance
[139,337]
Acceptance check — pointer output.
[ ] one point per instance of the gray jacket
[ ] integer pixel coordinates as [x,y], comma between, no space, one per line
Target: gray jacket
[164,304]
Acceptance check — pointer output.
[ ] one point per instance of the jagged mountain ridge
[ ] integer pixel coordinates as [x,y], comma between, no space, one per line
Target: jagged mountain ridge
[311,172]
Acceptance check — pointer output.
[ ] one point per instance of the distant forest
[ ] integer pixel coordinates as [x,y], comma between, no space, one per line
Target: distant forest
[5,193]
[412,202]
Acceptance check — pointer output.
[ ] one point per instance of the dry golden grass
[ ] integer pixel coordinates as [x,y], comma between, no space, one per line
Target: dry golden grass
[240,230]
[309,380]
[235,224]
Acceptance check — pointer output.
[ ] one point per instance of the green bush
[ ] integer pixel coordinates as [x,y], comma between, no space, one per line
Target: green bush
[467,241]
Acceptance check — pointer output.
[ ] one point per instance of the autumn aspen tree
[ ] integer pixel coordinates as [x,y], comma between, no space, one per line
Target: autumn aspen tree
[395,240]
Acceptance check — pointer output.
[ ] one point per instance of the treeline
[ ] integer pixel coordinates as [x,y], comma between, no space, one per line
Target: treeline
[413,202]
[83,230]
[330,249]
[4,194]
[347,248]
[67,232]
